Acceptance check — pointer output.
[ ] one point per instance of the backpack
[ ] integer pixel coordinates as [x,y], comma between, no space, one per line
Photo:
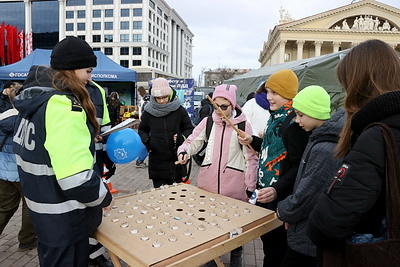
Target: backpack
[199,156]
[197,113]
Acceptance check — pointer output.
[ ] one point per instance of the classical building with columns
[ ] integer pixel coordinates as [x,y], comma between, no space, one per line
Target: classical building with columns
[331,31]
[145,35]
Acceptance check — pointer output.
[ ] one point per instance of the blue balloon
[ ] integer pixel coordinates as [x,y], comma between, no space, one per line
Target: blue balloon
[124,146]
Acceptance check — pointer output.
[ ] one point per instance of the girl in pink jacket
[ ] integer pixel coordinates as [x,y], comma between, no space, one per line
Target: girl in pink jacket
[228,168]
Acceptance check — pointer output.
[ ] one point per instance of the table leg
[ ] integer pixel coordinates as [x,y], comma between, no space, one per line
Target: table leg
[114,259]
[219,262]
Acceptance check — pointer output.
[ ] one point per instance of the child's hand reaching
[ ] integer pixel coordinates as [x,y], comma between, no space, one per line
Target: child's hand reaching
[182,158]
[244,138]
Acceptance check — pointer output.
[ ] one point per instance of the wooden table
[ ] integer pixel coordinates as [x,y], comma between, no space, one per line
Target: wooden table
[180,225]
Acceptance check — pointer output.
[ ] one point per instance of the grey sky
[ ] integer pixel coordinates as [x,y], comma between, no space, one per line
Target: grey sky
[231,33]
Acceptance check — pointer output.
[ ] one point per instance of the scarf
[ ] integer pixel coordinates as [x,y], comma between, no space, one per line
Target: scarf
[161,110]
[261,100]
[273,150]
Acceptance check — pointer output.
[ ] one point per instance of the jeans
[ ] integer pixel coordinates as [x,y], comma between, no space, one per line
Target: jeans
[143,154]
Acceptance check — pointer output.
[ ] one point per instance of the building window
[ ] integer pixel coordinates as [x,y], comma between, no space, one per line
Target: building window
[125,12]
[131,1]
[96,13]
[96,38]
[124,25]
[137,38]
[102,2]
[137,51]
[152,5]
[124,51]
[124,37]
[82,37]
[137,12]
[76,2]
[96,49]
[159,11]
[137,25]
[124,63]
[81,26]
[69,27]
[108,13]
[108,25]
[69,14]
[81,14]
[96,26]
[136,62]
[287,57]
[108,38]
[165,17]
[108,51]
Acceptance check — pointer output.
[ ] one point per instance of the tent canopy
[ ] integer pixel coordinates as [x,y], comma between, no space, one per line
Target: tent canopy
[311,71]
[106,70]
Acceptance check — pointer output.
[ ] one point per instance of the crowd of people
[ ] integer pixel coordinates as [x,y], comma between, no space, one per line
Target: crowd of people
[325,173]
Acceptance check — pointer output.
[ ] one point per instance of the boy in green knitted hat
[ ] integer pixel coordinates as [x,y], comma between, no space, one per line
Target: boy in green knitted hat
[317,166]
[280,150]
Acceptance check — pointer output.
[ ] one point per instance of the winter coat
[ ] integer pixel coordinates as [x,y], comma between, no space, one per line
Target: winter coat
[8,165]
[281,149]
[206,108]
[355,202]
[5,103]
[114,112]
[54,147]
[228,168]
[317,168]
[143,102]
[256,116]
[157,135]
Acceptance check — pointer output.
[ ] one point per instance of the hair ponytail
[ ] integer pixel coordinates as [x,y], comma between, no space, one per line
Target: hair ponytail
[66,81]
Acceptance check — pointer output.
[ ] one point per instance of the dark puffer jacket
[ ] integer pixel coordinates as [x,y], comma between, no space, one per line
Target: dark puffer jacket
[356,202]
[157,135]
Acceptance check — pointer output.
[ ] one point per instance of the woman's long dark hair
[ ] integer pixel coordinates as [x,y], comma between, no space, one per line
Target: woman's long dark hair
[370,69]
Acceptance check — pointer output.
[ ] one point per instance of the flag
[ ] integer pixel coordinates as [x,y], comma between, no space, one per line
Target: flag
[15,51]
[2,44]
[28,43]
[8,38]
[12,46]
[21,44]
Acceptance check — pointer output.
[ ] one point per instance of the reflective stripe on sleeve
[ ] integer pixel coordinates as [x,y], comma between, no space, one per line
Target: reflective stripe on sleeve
[66,206]
[102,194]
[75,180]
[32,168]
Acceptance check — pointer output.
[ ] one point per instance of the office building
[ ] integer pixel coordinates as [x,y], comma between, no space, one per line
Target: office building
[147,36]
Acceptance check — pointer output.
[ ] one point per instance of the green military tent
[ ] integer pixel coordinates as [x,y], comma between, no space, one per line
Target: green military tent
[311,71]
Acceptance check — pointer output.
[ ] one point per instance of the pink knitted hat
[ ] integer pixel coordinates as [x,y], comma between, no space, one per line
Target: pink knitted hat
[227,91]
[160,87]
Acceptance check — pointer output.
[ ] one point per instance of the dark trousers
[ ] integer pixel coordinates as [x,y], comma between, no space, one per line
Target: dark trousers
[74,255]
[274,246]
[293,258]
[159,182]
[10,197]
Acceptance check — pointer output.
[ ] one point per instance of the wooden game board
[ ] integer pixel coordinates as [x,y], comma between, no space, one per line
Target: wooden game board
[180,225]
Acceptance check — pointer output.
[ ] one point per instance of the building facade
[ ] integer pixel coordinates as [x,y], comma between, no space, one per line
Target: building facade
[216,77]
[147,36]
[331,31]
